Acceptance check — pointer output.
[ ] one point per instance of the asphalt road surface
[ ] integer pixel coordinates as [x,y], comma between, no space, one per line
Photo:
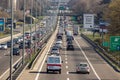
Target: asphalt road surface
[5,60]
[83,52]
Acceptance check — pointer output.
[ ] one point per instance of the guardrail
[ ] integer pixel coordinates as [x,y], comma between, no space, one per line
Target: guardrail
[103,53]
[31,65]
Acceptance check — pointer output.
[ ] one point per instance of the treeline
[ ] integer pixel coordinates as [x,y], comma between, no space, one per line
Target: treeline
[18,14]
[108,10]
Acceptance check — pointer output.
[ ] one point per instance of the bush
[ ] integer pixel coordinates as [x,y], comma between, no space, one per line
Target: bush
[7,30]
[98,41]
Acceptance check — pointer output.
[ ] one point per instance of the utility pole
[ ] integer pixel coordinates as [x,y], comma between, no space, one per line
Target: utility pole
[23,51]
[31,27]
[11,50]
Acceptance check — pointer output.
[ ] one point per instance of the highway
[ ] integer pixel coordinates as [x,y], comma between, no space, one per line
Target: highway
[5,60]
[84,52]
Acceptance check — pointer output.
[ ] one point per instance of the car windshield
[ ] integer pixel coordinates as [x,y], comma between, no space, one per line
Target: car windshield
[83,65]
[54,48]
[53,60]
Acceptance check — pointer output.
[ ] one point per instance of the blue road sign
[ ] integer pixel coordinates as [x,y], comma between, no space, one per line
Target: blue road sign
[2,24]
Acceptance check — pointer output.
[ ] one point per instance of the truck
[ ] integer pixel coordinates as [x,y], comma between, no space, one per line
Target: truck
[75,30]
[54,63]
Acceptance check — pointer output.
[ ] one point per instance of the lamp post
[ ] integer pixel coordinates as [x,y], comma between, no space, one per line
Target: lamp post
[11,50]
[35,25]
[23,51]
[31,27]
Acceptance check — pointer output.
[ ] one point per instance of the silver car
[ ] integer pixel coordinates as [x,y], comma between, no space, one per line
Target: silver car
[3,46]
[55,50]
[83,67]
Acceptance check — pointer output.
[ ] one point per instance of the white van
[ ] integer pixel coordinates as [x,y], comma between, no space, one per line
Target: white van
[54,63]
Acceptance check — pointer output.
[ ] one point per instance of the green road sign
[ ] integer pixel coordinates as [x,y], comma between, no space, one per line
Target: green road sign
[114,43]
[2,24]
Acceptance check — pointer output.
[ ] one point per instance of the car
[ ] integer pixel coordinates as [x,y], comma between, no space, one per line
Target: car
[59,45]
[55,50]
[70,47]
[21,45]
[69,42]
[59,41]
[16,40]
[9,43]
[54,63]
[16,51]
[83,67]
[3,46]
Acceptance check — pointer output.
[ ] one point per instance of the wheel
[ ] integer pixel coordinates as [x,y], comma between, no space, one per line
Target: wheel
[59,71]
[47,71]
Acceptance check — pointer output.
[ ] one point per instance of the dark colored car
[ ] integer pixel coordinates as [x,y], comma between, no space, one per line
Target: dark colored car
[16,51]
[21,45]
[9,44]
[70,47]
[69,42]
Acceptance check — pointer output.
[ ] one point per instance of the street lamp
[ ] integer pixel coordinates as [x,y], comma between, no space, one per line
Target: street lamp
[11,50]
[23,52]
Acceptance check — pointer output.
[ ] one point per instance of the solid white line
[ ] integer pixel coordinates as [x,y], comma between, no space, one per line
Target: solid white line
[88,61]
[66,62]
[66,67]
[68,79]
[37,76]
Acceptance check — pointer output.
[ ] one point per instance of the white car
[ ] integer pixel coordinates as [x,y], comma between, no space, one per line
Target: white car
[55,50]
[83,67]
[3,46]
[59,41]
[59,45]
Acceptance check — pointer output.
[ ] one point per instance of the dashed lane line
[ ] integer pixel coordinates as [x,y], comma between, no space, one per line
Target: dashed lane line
[68,79]
[66,67]
[66,62]
[66,59]
[67,72]
[66,56]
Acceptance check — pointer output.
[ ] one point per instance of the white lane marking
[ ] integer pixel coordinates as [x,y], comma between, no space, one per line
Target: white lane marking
[88,61]
[66,59]
[67,72]
[37,76]
[65,55]
[66,67]
[68,79]
[66,62]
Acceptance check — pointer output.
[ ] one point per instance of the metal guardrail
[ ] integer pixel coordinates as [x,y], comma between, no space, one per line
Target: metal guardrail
[103,52]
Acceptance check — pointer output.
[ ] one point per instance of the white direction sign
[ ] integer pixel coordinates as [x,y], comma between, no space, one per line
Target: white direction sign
[88,21]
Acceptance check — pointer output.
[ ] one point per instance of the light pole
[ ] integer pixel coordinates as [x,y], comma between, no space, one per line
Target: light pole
[35,25]
[11,50]
[23,51]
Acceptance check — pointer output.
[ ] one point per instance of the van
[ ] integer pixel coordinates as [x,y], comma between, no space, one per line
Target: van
[54,63]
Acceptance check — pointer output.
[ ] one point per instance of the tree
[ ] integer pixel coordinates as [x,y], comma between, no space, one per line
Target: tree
[112,14]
